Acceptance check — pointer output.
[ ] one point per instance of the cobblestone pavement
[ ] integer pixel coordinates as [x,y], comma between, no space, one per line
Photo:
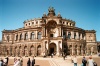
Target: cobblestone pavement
[56,61]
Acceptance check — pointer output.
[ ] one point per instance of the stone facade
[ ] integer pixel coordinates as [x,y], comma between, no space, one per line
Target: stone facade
[98,46]
[47,35]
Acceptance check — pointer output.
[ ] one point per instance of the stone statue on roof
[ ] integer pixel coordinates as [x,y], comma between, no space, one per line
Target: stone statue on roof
[51,9]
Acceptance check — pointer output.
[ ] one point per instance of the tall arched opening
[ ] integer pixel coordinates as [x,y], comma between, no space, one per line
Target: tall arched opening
[39,50]
[51,29]
[52,48]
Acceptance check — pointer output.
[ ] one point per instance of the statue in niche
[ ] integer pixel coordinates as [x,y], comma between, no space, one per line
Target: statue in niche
[92,48]
[53,30]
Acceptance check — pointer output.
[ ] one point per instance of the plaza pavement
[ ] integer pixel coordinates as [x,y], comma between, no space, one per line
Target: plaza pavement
[56,61]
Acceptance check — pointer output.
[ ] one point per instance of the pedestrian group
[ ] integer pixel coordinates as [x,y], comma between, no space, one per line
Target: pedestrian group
[85,62]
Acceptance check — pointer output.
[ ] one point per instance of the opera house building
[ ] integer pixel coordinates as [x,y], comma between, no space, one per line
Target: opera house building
[46,35]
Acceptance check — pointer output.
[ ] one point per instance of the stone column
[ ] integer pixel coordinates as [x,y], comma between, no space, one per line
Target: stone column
[23,36]
[44,31]
[28,50]
[43,28]
[29,35]
[72,49]
[59,48]
[15,37]
[35,34]
[85,50]
[17,51]
[18,37]
[57,45]
[25,52]
[13,50]
[43,48]
[84,37]
[67,34]
[77,50]
[82,50]
[59,31]
[47,45]
[77,35]
[36,49]
[80,36]
[22,50]
[72,35]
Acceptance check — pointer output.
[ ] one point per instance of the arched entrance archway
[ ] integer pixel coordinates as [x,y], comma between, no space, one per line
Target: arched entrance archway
[51,29]
[15,53]
[32,50]
[75,49]
[52,48]
[39,50]
[25,50]
[20,51]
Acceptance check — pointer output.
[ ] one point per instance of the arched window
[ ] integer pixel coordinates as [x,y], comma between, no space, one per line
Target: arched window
[21,37]
[64,35]
[8,38]
[70,24]
[84,35]
[74,35]
[16,37]
[32,35]
[69,35]
[51,35]
[39,50]
[39,35]
[26,36]
[79,35]
[36,22]
[3,36]
[32,22]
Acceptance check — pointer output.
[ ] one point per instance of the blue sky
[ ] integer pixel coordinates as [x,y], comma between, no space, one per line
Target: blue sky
[86,13]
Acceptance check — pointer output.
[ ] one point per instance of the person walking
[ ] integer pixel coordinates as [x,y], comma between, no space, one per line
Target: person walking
[29,62]
[18,63]
[21,59]
[75,61]
[90,61]
[15,60]
[7,60]
[84,61]
[1,63]
[64,56]
[72,58]
[33,61]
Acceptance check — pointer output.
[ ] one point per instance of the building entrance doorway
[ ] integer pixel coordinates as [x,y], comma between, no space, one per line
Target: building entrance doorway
[52,48]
